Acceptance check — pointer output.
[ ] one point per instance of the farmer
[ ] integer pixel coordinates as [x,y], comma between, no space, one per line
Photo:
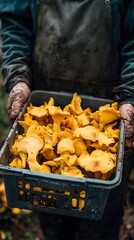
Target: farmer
[74,46]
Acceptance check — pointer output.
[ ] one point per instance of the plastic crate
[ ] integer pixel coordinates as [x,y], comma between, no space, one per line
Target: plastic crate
[54,193]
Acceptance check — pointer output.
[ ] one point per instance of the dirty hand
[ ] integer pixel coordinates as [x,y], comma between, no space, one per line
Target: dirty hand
[17,97]
[127,114]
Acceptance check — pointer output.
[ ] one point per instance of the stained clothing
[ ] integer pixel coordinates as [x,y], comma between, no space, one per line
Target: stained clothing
[74,49]
[84,46]
[19,27]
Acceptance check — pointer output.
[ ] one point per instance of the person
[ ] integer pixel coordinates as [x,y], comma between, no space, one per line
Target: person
[73,46]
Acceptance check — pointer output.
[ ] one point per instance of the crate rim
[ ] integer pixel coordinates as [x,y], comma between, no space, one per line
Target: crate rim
[6,170]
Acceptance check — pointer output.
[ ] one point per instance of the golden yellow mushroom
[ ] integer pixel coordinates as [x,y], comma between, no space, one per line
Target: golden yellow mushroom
[14,148]
[72,172]
[57,115]
[71,160]
[82,120]
[75,106]
[65,145]
[88,132]
[44,168]
[112,131]
[80,146]
[23,157]
[48,152]
[98,161]
[16,162]
[27,122]
[70,122]
[103,139]
[31,145]
[38,112]
[107,115]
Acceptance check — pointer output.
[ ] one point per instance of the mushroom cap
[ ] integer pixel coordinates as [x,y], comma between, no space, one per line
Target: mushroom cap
[30,144]
[57,115]
[44,168]
[71,171]
[80,146]
[48,152]
[98,161]
[38,112]
[65,145]
[108,114]
[103,139]
[110,130]
[88,132]
[82,119]
[75,106]
[16,162]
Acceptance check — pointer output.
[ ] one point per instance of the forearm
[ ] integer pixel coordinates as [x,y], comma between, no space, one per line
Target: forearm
[17,41]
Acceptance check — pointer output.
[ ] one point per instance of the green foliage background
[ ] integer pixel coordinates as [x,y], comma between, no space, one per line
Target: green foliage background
[4,122]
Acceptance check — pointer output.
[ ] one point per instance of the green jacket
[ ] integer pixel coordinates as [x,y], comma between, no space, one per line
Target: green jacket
[19,23]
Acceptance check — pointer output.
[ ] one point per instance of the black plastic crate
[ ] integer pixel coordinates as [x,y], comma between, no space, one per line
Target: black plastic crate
[54,193]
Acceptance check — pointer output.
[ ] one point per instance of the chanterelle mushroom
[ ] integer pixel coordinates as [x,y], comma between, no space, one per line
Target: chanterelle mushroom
[88,132]
[57,115]
[65,145]
[108,114]
[71,171]
[98,161]
[31,145]
[75,106]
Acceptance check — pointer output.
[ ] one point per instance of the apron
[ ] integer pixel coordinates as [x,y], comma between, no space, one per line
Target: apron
[74,50]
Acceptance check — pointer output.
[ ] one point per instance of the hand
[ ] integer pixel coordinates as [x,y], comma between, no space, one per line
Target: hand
[16,99]
[127,114]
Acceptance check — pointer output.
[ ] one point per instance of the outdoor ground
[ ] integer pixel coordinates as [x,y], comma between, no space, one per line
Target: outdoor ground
[25,225]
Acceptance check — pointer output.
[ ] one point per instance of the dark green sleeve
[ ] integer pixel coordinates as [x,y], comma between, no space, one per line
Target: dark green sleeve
[17,40]
[125,91]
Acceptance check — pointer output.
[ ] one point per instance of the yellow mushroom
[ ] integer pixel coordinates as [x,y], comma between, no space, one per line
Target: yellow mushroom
[80,146]
[103,139]
[96,116]
[64,134]
[75,106]
[98,161]
[14,147]
[70,122]
[16,162]
[23,157]
[38,112]
[57,115]
[72,172]
[61,159]
[82,119]
[44,168]
[65,145]
[111,131]
[107,114]
[88,132]
[31,145]
[27,122]
[48,152]
[35,129]
[71,160]
[50,137]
